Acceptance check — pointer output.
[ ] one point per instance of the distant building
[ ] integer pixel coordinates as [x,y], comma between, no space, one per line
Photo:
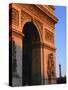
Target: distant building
[60,79]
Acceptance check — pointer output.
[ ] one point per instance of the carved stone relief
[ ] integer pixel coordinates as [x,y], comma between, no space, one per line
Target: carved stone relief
[49,36]
[35,11]
[50,67]
[14,16]
[24,16]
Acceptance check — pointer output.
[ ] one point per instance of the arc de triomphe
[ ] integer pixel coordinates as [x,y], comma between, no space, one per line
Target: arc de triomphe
[32,30]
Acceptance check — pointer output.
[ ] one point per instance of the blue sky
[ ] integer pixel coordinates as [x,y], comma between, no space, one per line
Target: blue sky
[60,39]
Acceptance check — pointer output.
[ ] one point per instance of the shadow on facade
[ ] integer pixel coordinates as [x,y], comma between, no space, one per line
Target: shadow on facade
[31,55]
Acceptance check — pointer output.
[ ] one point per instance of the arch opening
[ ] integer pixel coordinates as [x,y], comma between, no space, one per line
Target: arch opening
[31,55]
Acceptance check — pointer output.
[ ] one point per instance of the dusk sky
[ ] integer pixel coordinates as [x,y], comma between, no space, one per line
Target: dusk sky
[60,39]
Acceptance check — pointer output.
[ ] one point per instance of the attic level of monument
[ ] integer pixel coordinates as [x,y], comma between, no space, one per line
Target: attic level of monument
[33,12]
[36,8]
[38,11]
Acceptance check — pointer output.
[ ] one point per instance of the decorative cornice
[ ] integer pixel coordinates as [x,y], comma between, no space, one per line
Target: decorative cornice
[51,6]
[47,13]
[41,8]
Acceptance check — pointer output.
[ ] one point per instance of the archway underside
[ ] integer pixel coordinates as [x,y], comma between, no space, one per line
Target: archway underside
[31,55]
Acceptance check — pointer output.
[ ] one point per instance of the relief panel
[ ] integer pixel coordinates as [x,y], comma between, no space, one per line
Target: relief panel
[14,16]
[49,36]
[50,67]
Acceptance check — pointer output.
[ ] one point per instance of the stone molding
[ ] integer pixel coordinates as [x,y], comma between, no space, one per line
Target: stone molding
[43,45]
[48,13]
